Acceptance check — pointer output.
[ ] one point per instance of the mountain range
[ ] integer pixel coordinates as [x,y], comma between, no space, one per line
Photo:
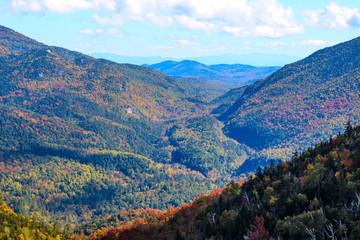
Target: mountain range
[223,75]
[254,59]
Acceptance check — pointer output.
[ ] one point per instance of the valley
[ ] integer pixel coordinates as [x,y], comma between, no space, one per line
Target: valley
[88,144]
[84,138]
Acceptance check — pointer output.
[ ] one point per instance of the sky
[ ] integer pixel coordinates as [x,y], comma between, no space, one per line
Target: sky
[185,28]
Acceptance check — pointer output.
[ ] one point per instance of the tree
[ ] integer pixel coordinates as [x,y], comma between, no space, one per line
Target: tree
[259,231]
[349,128]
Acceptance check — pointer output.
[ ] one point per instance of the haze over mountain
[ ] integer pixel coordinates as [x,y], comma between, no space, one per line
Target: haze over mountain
[225,75]
[254,59]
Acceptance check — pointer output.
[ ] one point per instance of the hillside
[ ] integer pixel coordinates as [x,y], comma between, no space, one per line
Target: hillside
[13,43]
[83,138]
[200,144]
[16,226]
[223,75]
[315,195]
[224,102]
[300,104]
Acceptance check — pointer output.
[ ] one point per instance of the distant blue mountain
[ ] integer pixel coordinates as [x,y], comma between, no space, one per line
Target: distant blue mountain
[254,59]
[225,75]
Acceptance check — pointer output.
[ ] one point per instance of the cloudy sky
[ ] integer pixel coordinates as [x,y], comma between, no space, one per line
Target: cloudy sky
[185,28]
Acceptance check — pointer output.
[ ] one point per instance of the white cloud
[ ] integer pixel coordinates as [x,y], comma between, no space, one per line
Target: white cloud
[333,16]
[65,6]
[186,42]
[109,5]
[267,18]
[115,20]
[272,44]
[62,6]
[26,5]
[193,23]
[100,31]
[316,42]
[163,21]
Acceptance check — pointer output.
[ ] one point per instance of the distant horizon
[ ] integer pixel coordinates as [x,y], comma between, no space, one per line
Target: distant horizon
[281,59]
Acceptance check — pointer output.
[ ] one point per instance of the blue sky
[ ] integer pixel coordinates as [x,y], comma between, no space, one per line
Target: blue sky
[185,28]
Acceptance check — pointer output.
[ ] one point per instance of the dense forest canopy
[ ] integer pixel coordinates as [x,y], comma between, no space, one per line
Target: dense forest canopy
[315,195]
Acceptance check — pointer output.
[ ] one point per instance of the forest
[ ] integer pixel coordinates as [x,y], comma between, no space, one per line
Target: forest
[315,195]
[299,105]
[85,138]
[93,149]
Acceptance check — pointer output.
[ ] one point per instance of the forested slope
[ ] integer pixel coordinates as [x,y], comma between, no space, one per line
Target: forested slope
[300,104]
[315,195]
[16,226]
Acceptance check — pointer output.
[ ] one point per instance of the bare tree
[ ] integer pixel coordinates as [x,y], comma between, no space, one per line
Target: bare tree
[330,233]
[213,217]
[311,232]
[340,223]
[246,197]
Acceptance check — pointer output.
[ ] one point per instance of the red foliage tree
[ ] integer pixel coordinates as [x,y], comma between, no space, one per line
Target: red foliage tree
[259,231]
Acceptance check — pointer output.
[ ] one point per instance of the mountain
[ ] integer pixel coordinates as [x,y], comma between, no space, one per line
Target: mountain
[224,75]
[82,138]
[254,59]
[315,195]
[300,104]
[85,139]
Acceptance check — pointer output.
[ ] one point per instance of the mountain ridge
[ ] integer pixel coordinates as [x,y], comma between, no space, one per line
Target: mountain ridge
[12,42]
[255,59]
[225,75]
[299,102]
